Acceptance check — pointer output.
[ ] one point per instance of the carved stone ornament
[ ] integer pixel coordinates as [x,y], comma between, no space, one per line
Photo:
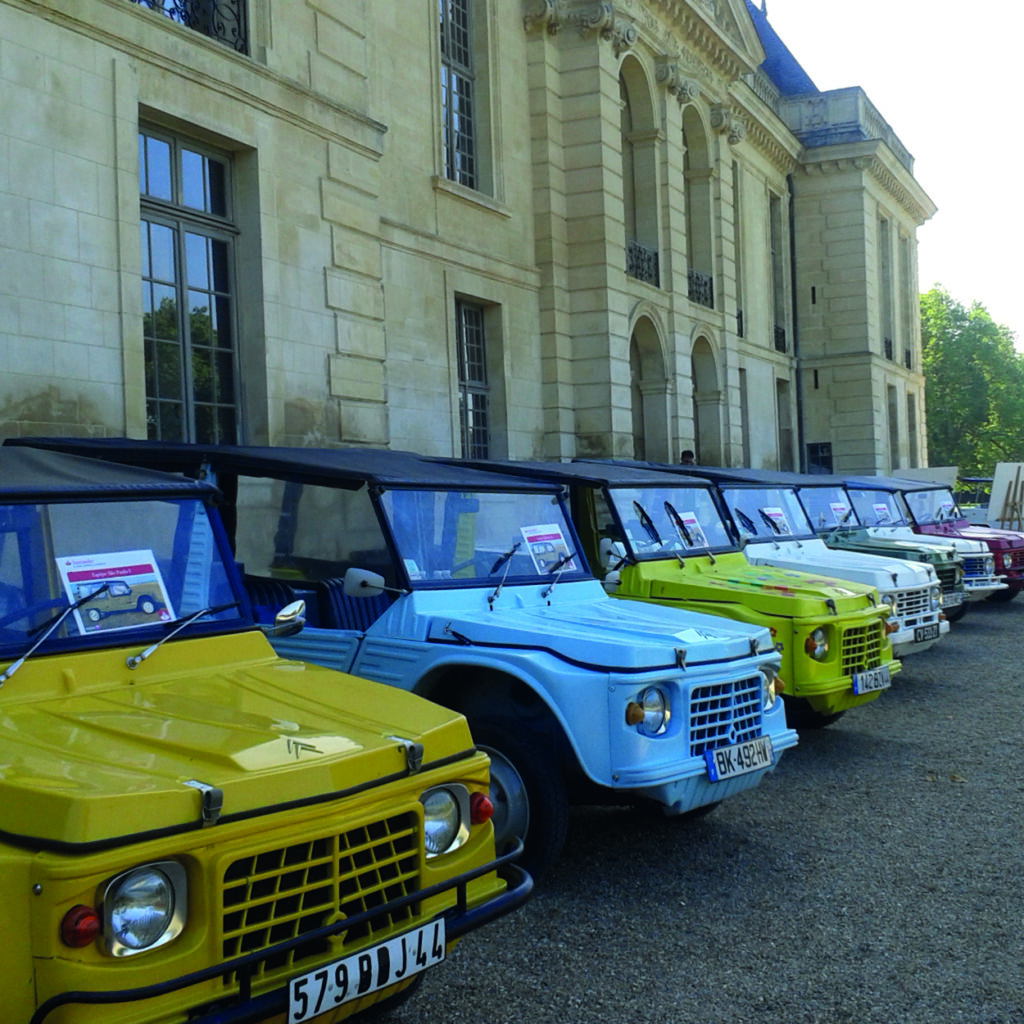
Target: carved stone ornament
[725,121]
[588,17]
[685,90]
[547,18]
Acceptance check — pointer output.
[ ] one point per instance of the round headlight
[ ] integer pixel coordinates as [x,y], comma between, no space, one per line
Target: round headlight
[1007,559]
[445,819]
[990,565]
[144,908]
[936,596]
[816,645]
[768,686]
[889,599]
[650,712]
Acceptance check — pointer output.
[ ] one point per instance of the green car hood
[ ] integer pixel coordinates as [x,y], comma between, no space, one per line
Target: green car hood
[731,579]
[94,751]
[893,547]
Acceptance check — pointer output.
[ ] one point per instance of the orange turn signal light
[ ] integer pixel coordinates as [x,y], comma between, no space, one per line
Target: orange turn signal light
[80,927]
[480,808]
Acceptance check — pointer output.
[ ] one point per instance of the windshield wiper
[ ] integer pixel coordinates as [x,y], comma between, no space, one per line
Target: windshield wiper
[557,568]
[745,521]
[179,624]
[835,529]
[502,559]
[677,519]
[647,522]
[51,628]
[771,524]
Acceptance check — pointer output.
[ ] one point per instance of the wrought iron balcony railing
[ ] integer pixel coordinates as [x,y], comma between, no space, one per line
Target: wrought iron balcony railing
[221,20]
[642,263]
[701,288]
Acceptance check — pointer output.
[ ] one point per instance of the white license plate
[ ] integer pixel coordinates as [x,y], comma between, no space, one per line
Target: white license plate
[358,975]
[725,762]
[871,680]
[929,632]
[952,599]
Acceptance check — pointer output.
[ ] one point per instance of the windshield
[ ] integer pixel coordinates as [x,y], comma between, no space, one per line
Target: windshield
[138,564]
[478,537]
[878,508]
[828,507]
[935,506]
[660,522]
[767,512]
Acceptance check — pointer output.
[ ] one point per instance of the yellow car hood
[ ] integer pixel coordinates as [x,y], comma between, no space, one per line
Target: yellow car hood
[91,751]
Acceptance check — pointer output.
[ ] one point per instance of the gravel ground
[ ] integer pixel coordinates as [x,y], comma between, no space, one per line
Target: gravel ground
[873,878]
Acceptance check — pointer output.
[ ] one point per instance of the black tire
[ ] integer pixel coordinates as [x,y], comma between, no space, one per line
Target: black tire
[956,614]
[528,792]
[1002,596]
[800,715]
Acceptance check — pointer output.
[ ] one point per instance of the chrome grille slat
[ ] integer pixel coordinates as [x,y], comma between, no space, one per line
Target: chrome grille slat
[862,647]
[722,714]
[283,893]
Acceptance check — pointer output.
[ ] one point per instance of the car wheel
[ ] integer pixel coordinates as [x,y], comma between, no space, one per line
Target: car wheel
[147,606]
[956,614]
[800,715]
[527,790]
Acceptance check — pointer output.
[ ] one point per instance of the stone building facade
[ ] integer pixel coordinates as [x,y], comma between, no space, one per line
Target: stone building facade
[510,228]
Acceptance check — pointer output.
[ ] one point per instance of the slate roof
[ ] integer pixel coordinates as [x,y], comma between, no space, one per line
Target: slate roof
[779,65]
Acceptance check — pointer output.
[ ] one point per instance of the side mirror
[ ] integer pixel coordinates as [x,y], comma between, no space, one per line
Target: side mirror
[288,621]
[362,583]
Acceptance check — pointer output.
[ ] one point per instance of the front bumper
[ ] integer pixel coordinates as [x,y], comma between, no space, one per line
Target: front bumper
[244,1008]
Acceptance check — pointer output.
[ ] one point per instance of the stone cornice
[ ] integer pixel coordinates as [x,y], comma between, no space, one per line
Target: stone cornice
[875,160]
[710,50]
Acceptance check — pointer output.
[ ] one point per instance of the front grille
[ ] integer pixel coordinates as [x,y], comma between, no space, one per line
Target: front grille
[722,714]
[947,577]
[974,567]
[1017,558]
[283,893]
[914,607]
[862,647]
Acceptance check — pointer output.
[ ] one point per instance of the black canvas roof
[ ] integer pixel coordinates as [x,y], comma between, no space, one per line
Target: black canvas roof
[600,472]
[349,468]
[895,483]
[31,474]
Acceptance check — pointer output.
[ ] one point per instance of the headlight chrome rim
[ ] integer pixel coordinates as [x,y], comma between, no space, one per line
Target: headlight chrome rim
[144,908]
[446,815]
[817,643]
[650,712]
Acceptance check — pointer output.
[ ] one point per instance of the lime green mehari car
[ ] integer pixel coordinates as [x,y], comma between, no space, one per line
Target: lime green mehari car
[658,537]
[194,830]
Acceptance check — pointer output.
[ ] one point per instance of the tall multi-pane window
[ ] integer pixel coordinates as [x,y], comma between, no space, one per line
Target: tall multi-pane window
[777,242]
[885,287]
[188,296]
[474,397]
[457,92]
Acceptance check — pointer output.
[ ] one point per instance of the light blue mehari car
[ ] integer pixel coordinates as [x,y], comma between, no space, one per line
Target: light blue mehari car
[470,589]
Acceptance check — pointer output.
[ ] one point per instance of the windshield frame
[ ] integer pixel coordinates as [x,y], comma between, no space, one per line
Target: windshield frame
[61,574]
[911,500]
[778,498]
[525,557]
[623,499]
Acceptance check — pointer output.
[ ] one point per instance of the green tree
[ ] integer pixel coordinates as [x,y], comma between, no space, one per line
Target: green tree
[974,386]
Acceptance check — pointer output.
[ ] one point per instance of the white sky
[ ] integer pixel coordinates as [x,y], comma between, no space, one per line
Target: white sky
[944,74]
